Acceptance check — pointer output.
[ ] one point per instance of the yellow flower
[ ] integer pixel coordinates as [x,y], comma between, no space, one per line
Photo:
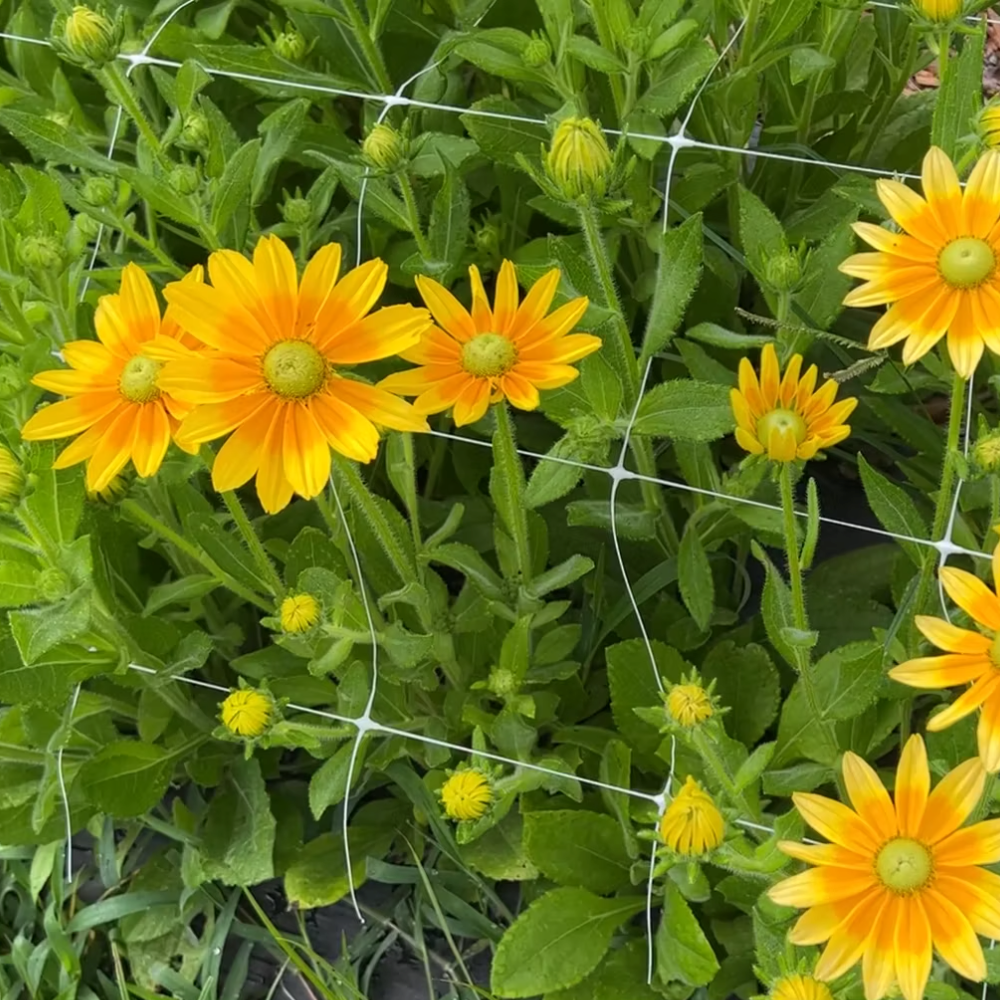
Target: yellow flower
[970,658]
[692,824]
[798,987]
[939,10]
[466,795]
[507,352]
[900,879]
[786,417]
[272,375]
[384,147]
[941,273]
[117,399]
[89,35]
[11,475]
[299,612]
[579,160]
[689,704]
[247,712]
[989,125]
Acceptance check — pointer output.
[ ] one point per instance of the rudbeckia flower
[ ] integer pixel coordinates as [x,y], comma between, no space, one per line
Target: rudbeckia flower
[900,878]
[247,712]
[786,418]
[466,795]
[940,274]
[692,824]
[970,658]
[118,404]
[509,351]
[273,378]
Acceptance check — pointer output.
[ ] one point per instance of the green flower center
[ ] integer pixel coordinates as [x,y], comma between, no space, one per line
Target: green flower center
[488,355]
[294,369]
[138,380]
[785,422]
[904,865]
[967,262]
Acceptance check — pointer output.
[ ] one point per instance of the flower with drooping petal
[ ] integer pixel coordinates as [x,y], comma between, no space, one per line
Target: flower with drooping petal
[118,403]
[900,878]
[247,712]
[799,987]
[273,378]
[509,351]
[940,274]
[969,658]
[466,795]
[787,418]
[692,824]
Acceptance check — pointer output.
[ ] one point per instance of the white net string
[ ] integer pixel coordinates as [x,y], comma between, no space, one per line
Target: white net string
[364,724]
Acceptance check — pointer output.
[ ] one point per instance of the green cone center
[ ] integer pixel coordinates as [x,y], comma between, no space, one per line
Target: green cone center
[294,369]
[904,865]
[967,262]
[488,355]
[138,380]
[785,422]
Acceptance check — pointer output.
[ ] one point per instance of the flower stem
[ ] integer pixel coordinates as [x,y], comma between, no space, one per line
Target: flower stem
[114,80]
[749,30]
[944,54]
[709,753]
[140,514]
[253,543]
[372,55]
[505,457]
[409,199]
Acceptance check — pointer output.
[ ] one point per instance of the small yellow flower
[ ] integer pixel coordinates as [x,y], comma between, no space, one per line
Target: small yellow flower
[466,795]
[579,160]
[89,35]
[689,704]
[691,823]
[939,10]
[384,147]
[247,712]
[786,418]
[11,475]
[989,125]
[798,987]
[299,612]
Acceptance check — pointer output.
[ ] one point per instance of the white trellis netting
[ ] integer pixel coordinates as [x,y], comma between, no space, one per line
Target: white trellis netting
[364,724]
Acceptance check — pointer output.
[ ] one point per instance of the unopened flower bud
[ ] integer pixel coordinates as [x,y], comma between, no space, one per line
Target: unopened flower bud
[11,477]
[195,132]
[184,178]
[53,585]
[89,36]
[384,148]
[985,453]
[537,52]
[98,191]
[783,271]
[939,11]
[296,211]
[290,45]
[43,253]
[579,161]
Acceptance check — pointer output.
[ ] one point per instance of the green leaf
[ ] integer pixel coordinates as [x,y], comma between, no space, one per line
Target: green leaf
[499,852]
[499,138]
[601,386]
[328,785]
[551,480]
[498,51]
[620,976]
[761,234]
[779,620]
[56,504]
[567,572]
[279,130]
[587,51]
[694,576]
[126,778]
[162,198]
[682,71]
[379,196]
[783,19]
[312,548]
[671,37]
[683,953]
[960,94]
[37,630]
[225,548]
[592,857]
[746,682]
[805,61]
[632,521]
[514,650]
[237,841]
[448,231]
[18,584]
[633,685]
[823,285]
[566,933]
[49,679]
[849,678]
[48,141]
[895,511]
[468,561]
[677,277]
[685,410]
[187,588]
[233,188]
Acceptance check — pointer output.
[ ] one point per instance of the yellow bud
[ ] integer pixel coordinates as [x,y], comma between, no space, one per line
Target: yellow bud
[247,712]
[939,10]
[11,476]
[466,795]
[689,704]
[90,36]
[579,160]
[384,147]
[691,823]
[299,612]
[989,125]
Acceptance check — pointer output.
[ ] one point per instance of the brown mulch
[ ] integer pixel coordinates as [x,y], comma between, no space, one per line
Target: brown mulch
[927,78]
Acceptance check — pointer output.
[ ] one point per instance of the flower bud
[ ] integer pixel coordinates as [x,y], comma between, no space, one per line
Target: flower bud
[11,477]
[384,148]
[783,271]
[296,211]
[42,253]
[61,118]
[90,37]
[579,161]
[537,52]
[53,585]
[99,191]
[487,238]
[290,45]
[502,682]
[988,125]
[247,712]
[299,613]
[466,795]
[195,132]
[939,11]
[184,178]
[985,453]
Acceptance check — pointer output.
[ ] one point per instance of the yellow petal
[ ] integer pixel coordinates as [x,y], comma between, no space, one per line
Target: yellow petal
[215,419]
[770,376]
[346,430]
[911,212]
[978,844]
[913,948]
[68,382]
[818,923]
[976,892]
[89,356]
[138,305]
[305,452]
[828,854]
[913,780]
[972,596]
[879,964]
[848,941]
[380,335]
[472,402]
[536,303]
[113,450]
[965,343]
[505,300]
[898,244]
[377,405]
[966,703]
[352,298]
[318,280]
[953,936]
[447,311]
[941,671]
[273,489]
[942,191]
[519,391]
[868,796]
[276,278]
[482,314]
[988,734]
[816,886]
[152,438]
[952,801]
[543,375]
[836,822]
[949,637]
[210,379]
[981,202]
[70,416]
[239,457]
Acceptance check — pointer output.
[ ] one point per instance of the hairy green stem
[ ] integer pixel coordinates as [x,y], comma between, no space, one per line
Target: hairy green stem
[114,80]
[505,445]
[709,753]
[253,543]
[749,30]
[372,55]
[413,214]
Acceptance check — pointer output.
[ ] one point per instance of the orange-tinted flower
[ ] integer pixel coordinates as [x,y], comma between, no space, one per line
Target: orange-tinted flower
[118,403]
[900,878]
[509,351]
[273,379]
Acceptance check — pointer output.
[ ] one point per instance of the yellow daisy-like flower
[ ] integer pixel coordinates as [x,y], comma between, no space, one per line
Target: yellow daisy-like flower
[299,612]
[466,795]
[692,824]
[272,378]
[940,274]
[507,352]
[787,418]
[247,712]
[689,704]
[899,879]
[799,987]
[970,658]
[117,399]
